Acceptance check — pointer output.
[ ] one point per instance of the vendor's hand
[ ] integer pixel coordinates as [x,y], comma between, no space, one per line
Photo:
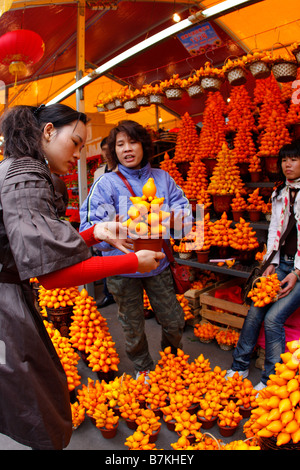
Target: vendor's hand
[148,260]
[287,285]
[270,270]
[113,233]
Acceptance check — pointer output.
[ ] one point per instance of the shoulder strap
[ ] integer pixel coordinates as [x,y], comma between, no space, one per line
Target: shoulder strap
[166,248]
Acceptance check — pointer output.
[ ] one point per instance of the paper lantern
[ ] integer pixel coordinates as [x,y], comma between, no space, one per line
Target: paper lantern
[20,48]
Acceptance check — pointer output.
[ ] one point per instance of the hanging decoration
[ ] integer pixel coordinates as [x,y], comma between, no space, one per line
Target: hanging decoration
[19,49]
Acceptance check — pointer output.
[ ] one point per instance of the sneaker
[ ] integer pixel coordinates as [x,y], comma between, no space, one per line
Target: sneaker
[145,373]
[259,386]
[243,373]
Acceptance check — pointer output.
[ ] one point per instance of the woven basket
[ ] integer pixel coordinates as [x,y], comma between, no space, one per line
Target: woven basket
[131,106]
[269,443]
[211,83]
[297,55]
[118,103]
[110,106]
[156,99]
[285,71]
[260,69]
[194,91]
[237,76]
[183,255]
[143,100]
[101,109]
[173,93]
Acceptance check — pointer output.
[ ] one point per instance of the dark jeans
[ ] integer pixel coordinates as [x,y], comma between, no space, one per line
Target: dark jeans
[274,317]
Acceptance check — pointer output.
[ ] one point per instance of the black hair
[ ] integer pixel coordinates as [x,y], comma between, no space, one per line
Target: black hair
[103,142]
[287,151]
[22,127]
[136,132]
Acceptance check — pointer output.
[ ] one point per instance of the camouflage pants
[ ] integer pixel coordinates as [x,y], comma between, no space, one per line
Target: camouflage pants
[128,294]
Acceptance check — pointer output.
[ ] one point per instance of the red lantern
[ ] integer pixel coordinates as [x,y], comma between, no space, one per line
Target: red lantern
[20,48]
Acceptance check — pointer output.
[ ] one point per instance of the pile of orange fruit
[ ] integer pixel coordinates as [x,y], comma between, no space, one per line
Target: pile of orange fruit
[275,135]
[188,315]
[244,150]
[278,413]
[221,231]
[238,203]
[226,177]
[78,414]
[68,357]
[265,290]
[187,424]
[229,415]
[148,422]
[196,180]
[255,201]
[139,441]
[145,214]
[210,406]
[205,331]
[227,337]
[243,237]
[201,234]
[104,416]
[187,140]
[168,164]
[57,298]
[240,110]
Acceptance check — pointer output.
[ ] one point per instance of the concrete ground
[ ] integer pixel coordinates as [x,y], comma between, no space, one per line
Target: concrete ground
[88,437]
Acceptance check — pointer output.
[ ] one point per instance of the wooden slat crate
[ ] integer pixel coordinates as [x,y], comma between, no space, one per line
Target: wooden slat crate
[232,314]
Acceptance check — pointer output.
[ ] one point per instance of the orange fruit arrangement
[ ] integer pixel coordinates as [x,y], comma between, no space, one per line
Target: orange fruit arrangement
[225,178]
[196,180]
[205,331]
[187,140]
[255,201]
[187,424]
[227,337]
[68,357]
[200,235]
[168,164]
[145,215]
[57,298]
[229,415]
[221,232]
[243,237]
[278,414]
[240,111]
[265,290]
[148,422]
[238,203]
[90,395]
[104,416]
[139,441]
[246,396]
[188,315]
[78,414]
[210,406]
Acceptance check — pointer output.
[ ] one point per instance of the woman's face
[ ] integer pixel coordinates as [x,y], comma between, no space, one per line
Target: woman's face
[62,146]
[291,167]
[129,152]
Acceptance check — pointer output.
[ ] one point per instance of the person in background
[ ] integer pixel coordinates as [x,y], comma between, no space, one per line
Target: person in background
[34,397]
[285,206]
[131,148]
[107,164]
[105,167]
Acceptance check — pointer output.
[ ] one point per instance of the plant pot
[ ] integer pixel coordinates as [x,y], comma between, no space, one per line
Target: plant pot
[60,318]
[271,164]
[170,424]
[254,216]
[154,244]
[246,256]
[236,215]
[209,165]
[226,431]
[153,437]
[207,423]
[203,256]
[109,433]
[131,424]
[255,176]
[191,438]
[222,203]
[245,412]
[156,411]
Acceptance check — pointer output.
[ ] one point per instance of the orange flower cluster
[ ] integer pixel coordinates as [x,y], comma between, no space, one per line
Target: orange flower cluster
[255,201]
[168,164]
[226,176]
[243,237]
[68,357]
[265,290]
[212,135]
[187,140]
[209,71]
[278,413]
[229,415]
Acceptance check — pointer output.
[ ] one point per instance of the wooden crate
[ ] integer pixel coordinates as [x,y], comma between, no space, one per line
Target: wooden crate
[193,295]
[233,314]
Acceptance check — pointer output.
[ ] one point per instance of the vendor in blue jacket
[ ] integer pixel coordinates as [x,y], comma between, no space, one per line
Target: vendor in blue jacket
[130,145]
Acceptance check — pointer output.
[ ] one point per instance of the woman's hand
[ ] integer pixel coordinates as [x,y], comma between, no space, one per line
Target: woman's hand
[113,233]
[148,260]
[289,283]
[270,270]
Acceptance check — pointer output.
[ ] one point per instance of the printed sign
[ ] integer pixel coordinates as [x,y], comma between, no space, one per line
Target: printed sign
[200,39]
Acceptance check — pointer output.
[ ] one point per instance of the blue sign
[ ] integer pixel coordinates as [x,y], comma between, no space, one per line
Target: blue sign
[200,39]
